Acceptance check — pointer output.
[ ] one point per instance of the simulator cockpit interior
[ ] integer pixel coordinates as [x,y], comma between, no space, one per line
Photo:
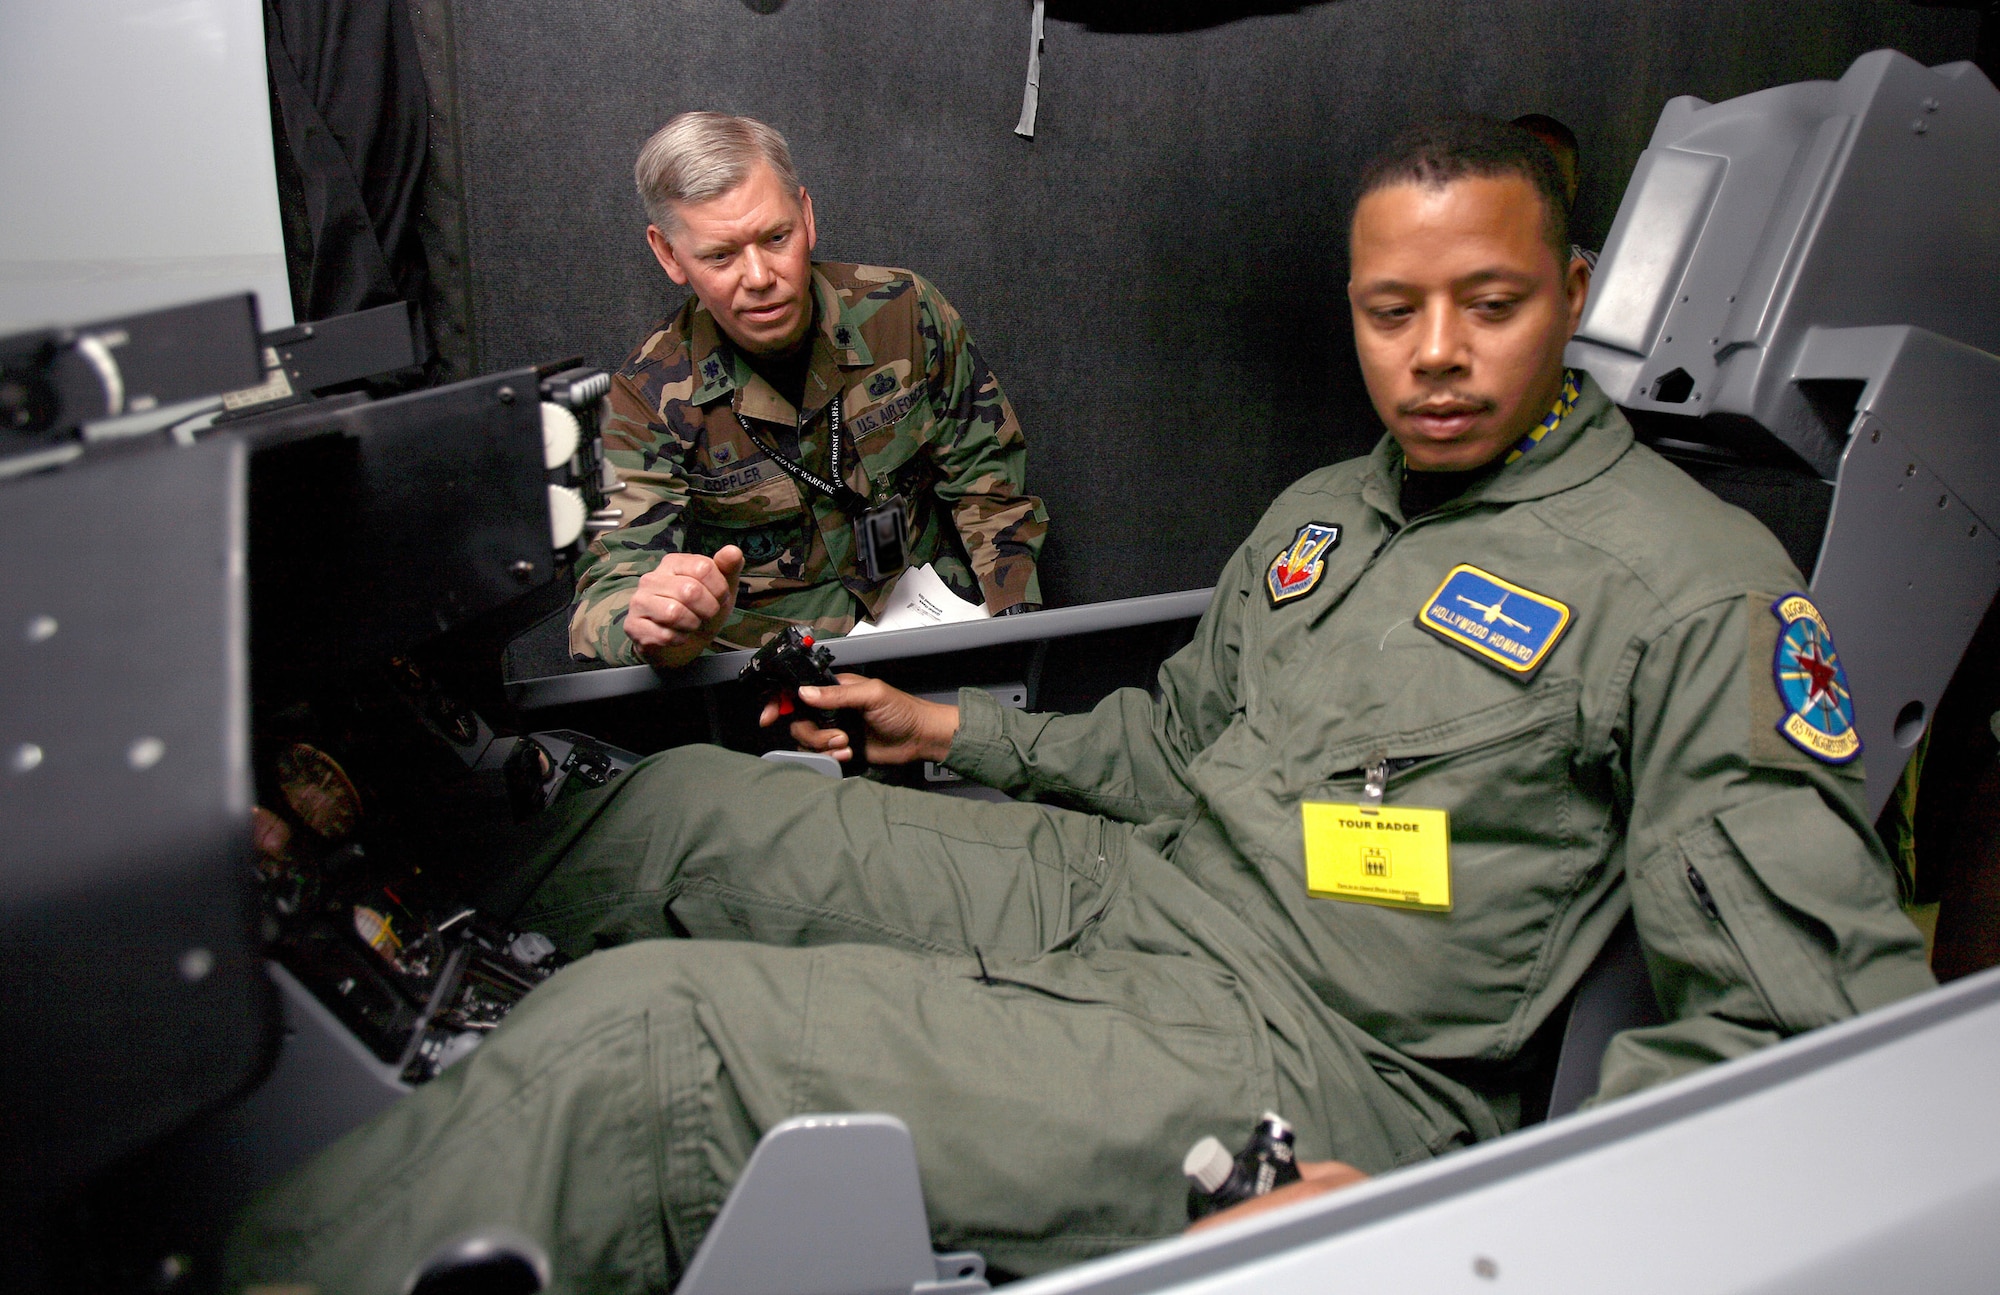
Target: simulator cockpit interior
[769,646]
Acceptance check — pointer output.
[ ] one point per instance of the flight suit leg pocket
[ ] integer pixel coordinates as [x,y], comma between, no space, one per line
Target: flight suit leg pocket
[1051,1097]
[1015,880]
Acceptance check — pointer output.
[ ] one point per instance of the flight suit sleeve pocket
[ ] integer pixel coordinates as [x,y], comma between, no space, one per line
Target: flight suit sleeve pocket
[1821,871]
[1767,878]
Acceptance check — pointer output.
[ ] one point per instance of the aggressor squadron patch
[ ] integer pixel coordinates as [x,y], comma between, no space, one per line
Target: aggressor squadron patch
[1495,621]
[1296,571]
[1812,685]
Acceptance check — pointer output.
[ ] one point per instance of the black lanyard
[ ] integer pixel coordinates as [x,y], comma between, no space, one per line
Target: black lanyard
[843,496]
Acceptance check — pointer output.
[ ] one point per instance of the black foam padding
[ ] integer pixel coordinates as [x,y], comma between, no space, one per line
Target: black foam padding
[1158,276]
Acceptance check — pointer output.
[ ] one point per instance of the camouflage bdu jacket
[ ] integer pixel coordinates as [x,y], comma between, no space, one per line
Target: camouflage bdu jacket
[925,414]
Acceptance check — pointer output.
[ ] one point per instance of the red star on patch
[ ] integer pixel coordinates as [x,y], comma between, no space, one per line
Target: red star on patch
[1821,671]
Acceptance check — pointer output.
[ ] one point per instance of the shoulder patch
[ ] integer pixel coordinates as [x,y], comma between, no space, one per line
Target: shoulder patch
[1495,621]
[1817,709]
[1296,571]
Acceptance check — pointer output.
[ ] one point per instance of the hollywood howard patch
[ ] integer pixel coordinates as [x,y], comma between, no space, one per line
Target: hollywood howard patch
[1812,685]
[1495,621]
[1296,571]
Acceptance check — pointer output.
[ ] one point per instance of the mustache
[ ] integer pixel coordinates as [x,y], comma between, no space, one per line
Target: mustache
[1454,401]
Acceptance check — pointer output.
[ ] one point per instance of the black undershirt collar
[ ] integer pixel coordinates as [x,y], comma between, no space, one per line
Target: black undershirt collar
[786,371]
[1425,492]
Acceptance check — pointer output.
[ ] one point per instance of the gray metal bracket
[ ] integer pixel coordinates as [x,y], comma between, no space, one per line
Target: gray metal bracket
[1910,561]
[829,1205]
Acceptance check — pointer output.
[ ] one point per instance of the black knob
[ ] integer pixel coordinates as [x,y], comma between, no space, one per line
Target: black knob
[489,1261]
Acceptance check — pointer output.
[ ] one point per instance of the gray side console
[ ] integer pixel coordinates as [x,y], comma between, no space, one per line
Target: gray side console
[829,1205]
[1859,1158]
[890,645]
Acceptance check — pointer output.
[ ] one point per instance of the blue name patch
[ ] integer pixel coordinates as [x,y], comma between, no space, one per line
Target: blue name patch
[1495,621]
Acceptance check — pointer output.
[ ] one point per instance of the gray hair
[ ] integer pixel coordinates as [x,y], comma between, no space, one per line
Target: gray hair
[703,155]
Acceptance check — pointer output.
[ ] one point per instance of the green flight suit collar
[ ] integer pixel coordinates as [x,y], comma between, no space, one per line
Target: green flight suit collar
[1592,438]
[838,344]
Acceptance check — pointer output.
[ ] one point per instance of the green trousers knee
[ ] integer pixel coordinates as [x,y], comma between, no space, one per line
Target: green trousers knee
[1038,997]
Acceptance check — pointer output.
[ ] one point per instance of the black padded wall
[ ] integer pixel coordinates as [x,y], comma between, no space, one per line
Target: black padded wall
[1158,275]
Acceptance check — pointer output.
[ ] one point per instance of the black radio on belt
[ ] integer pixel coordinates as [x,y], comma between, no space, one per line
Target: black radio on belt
[881,540]
[881,534]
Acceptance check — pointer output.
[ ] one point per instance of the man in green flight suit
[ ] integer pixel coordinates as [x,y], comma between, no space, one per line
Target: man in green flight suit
[1456,709]
[728,427]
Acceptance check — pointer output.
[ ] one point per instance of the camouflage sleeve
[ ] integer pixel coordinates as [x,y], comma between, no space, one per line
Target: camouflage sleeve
[981,458]
[652,499]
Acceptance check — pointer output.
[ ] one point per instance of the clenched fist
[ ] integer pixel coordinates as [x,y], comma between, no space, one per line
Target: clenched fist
[681,604]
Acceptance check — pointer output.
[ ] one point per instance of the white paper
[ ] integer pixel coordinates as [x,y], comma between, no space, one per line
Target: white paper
[921,597]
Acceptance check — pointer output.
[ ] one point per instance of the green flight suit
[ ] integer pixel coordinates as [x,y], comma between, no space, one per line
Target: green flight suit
[1059,997]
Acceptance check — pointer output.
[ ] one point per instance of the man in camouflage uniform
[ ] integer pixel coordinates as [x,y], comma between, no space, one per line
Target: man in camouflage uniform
[720,543]
[1059,997]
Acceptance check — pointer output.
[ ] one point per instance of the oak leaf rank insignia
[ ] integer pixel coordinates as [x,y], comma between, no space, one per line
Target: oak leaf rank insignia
[1296,571]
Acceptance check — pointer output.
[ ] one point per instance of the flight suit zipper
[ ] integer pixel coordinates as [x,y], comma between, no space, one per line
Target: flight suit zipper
[1704,898]
[1397,531]
[1379,760]
[1702,894]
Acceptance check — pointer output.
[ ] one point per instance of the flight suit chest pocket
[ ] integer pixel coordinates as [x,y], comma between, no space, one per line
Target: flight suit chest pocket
[1504,750]
[1521,838]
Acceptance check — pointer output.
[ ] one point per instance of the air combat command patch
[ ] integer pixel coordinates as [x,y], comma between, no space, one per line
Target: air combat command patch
[1495,621]
[1812,686]
[1295,572]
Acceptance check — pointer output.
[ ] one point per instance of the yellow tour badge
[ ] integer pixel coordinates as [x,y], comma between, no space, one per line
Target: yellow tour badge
[1397,857]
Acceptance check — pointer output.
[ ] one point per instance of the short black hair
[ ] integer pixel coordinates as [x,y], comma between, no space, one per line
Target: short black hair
[1435,153]
[1548,130]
